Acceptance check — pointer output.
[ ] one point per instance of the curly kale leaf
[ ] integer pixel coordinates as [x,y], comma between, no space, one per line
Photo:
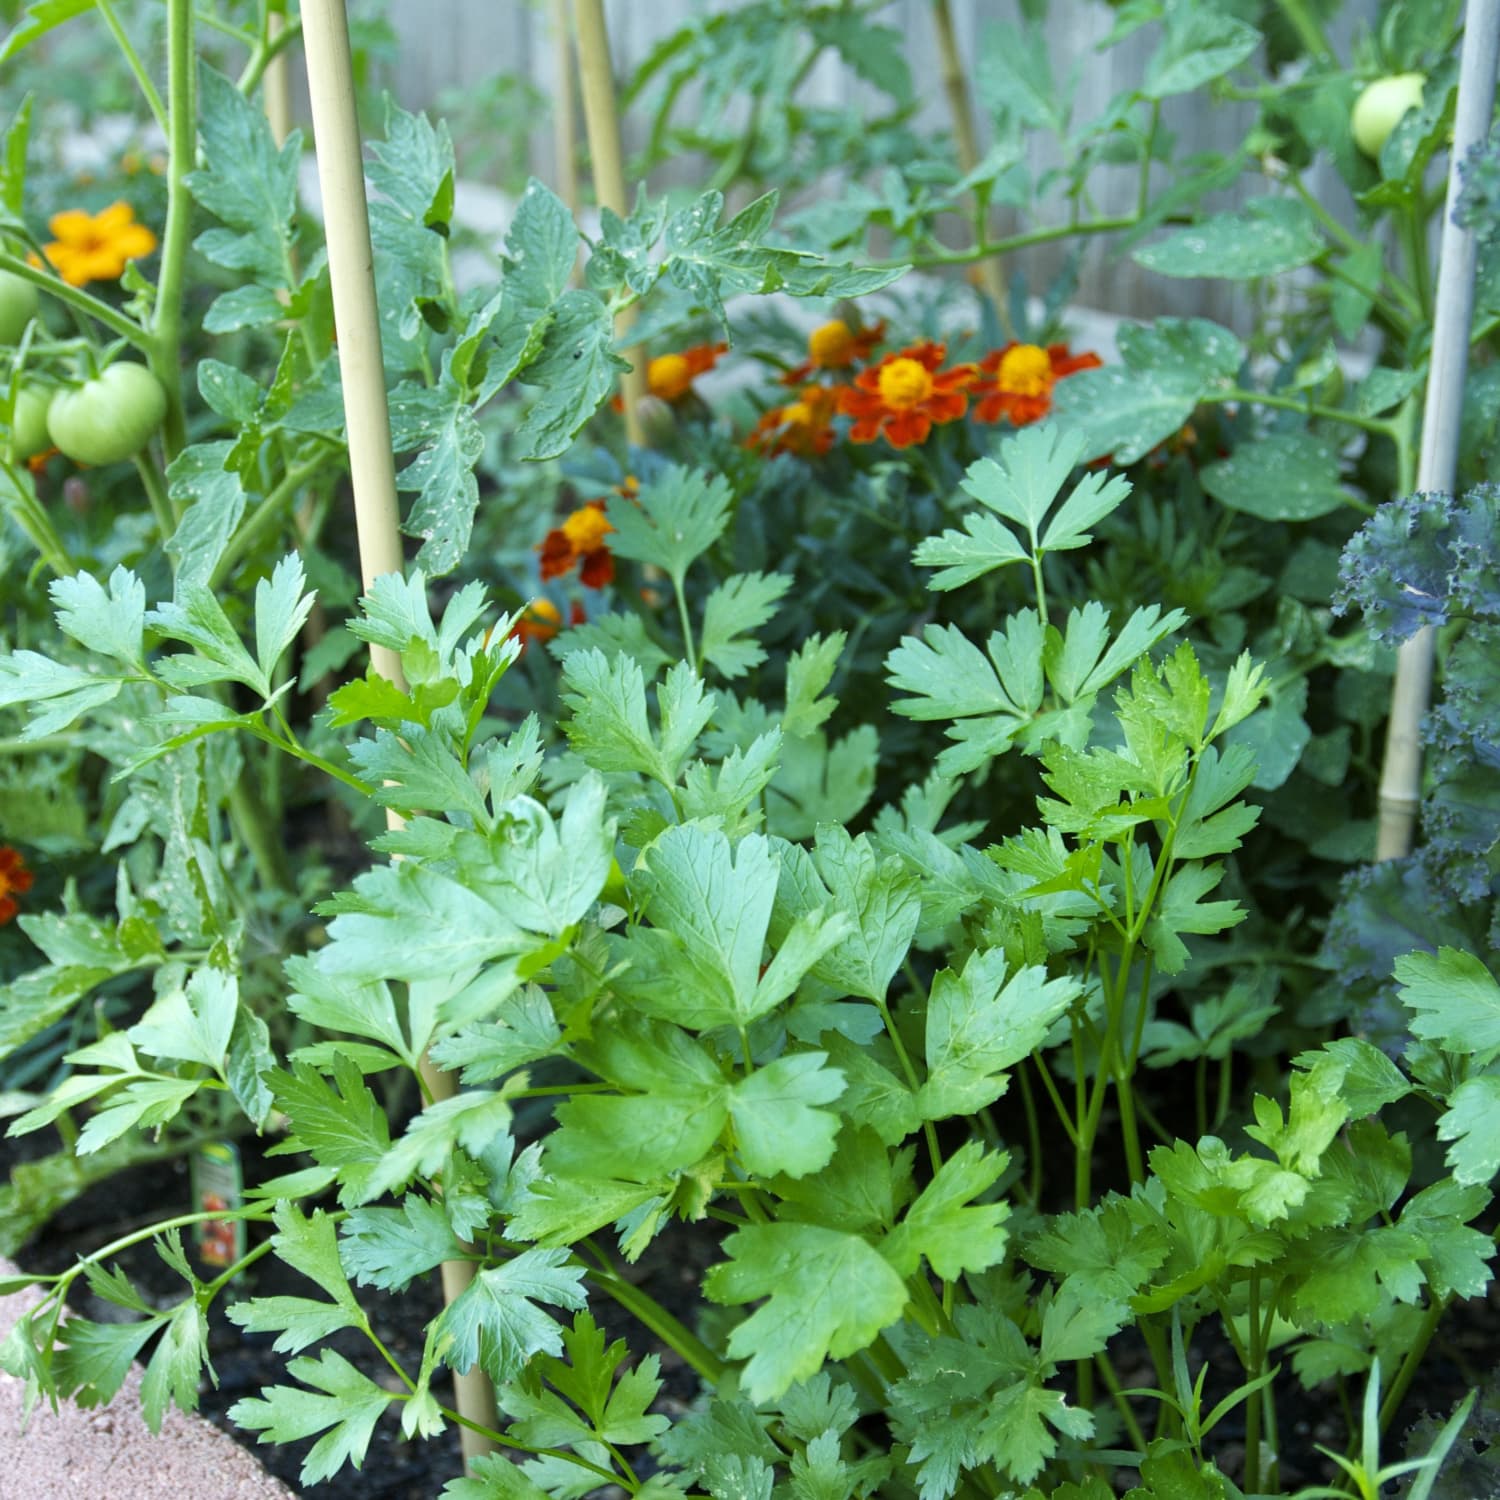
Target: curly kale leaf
[1422,561]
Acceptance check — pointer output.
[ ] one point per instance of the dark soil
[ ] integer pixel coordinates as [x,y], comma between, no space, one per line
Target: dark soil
[1466,1353]
[393,1469]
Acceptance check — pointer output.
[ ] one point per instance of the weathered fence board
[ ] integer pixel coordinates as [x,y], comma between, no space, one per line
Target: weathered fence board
[443,43]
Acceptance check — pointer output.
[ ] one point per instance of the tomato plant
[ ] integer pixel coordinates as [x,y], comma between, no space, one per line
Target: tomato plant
[109,418]
[28,426]
[18,304]
[916,837]
[1382,106]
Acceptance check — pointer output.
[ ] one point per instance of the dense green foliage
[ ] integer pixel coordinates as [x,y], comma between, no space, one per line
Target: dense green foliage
[904,824]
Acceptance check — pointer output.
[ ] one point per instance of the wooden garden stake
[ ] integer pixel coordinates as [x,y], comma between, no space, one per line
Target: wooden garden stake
[276,85]
[607,162]
[351,270]
[956,87]
[1401,773]
[564,106]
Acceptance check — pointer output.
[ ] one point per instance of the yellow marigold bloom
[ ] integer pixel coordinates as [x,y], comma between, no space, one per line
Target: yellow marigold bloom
[905,396]
[1015,383]
[586,529]
[669,376]
[579,542]
[834,345]
[903,384]
[1025,370]
[96,247]
[831,344]
[803,427]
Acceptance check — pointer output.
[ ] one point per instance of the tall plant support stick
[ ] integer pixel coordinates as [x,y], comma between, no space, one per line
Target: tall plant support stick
[276,84]
[351,269]
[956,87]
[564,105]
[1401,774]
[607,161]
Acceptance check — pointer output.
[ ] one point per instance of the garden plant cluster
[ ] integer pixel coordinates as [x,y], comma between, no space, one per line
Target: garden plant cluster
[851,777]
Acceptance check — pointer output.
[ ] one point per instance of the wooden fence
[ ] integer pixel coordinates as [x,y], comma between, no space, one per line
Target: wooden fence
[443,44]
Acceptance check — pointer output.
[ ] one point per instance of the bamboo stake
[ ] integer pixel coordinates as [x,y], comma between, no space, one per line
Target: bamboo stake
[1401,774]
[956,87]
[607,162]
[564,106]
[351,269]
[276,83]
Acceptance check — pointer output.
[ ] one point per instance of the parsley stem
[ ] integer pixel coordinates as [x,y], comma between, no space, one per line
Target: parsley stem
[1254,1365]
[647,1310]
[687,626]
[1066,1120]
[1416,1351]
[501,1441]
[1106,1369]
[934,1151]
[219,1282]
[1033,1136]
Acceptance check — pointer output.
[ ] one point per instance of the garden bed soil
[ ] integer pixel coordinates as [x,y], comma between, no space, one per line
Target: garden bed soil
[393,1469]
[110,1454]
[1466,1352]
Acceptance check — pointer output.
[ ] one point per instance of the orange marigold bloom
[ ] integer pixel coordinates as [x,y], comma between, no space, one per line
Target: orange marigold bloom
[803,426]
[835,346]
[1015,383]
[579,540]
[96,247]
[670,376]
[541,622]
[904,396]
[15,880]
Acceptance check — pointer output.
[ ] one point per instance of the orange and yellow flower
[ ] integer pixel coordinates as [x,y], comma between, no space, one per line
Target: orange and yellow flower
[670,376]
[1015,383]
[579,542]
[96,247]
[541,622]
[803,426]
[906,395]
[835,346]
[15,880]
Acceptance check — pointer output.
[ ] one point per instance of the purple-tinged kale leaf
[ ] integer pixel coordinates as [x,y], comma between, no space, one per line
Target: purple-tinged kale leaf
[1422,561]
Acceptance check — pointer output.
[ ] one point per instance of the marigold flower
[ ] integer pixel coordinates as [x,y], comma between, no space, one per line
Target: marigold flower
[1015,383]
[803,426]
[835,346]
[670,376]
[541,622]
[96,247]
[15,880]
[579,541]
[904,396]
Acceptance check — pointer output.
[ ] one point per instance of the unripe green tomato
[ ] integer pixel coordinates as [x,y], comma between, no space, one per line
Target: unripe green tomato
[1381,107]
[110,417]
[28,426]
[18,304]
